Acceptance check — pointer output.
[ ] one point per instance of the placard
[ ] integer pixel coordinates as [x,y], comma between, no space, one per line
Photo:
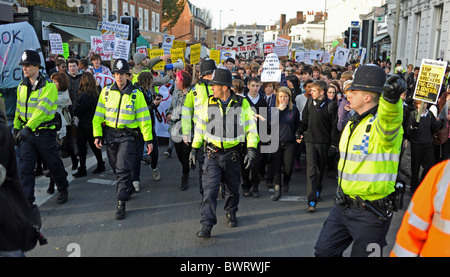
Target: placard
[153,53]
[429,82]
[167,43]
[56,44]
[271,69]
[104,79]
[195,53]
[177,54]
[215,55]
[108,43]
[341,56]
[316,54]
[118,29]
[179,44]
[121,49]
[97,48]
[282,42]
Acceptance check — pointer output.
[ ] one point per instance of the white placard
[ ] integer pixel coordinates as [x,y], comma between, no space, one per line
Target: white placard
[167,43]
[326,58]
[316,54]
[104,79]
[120,30]
[282,42]
[108,43]
[56,45]
[271,69]
[97,48]
[281,51]
[341,56]
[121,49]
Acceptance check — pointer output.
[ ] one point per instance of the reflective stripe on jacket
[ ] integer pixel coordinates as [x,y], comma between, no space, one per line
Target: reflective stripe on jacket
[192,109]
[39,107]
[369,154]
[122,109]
[226,129]
[425,229]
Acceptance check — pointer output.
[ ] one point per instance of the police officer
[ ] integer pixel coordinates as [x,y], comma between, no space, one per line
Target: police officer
[35,127]
[195,99]
[367,170]
[226,121]
[123,112]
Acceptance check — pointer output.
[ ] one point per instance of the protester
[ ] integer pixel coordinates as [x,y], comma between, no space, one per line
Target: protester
[97,66]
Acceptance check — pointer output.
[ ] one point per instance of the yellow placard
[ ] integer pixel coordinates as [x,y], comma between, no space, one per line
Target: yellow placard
[153,53]
[215,55]
[177,54]
[429,83]
[195,53]
[179,44]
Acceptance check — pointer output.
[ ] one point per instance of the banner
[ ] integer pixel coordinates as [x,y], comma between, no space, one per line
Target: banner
[16,38]
[56,44]
[245,46]
[104,79]
[195,53]
[430,79]
[271,69]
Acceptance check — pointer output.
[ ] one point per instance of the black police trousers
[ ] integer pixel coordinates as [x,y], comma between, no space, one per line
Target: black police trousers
[41,144]
[219,167]
[121,151]
[352,224]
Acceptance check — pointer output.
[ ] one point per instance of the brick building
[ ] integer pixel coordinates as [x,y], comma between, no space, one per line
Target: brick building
[190,26]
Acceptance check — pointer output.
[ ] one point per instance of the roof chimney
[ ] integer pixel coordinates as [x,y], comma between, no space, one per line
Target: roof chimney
[300,17]
[282,21]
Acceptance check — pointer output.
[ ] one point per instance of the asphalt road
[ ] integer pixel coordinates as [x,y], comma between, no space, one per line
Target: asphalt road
[162,221]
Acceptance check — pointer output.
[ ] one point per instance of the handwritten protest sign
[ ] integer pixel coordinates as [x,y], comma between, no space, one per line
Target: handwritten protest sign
[121,49]
[97,48]
[282,42]
[430,79]
[177,54]
[104,79]
[179,44]
[56,44]
[153,53]
[195,53]
[271,69]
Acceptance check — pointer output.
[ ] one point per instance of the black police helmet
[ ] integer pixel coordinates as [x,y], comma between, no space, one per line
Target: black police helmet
[121,66]
[369,78]
[222,77]
[207,67]
[30,57]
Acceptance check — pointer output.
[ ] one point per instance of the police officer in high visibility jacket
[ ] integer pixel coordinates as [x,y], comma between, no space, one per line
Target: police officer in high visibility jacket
[226,121]
[425,229]
[195,99]
[367,170]
[120,115]
[35,127]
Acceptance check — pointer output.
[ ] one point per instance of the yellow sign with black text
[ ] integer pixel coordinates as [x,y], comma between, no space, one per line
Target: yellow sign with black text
[429,82]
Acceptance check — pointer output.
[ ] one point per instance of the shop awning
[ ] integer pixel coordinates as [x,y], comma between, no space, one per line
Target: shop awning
[141,41]
[380,38]
[82,33]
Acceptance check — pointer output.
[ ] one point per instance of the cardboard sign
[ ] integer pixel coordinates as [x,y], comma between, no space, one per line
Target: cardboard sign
[167,43]
[244,46]
[429,83]
[271,69]
[195,53]
[121,49]
[153,53]
[215,55]
[56,44]
[97,48]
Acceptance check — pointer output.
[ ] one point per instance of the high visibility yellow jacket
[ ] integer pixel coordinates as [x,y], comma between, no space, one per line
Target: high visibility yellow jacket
[370,152]
[136,76]
[195,99]
[226,126]
[122,109]
[425,229]
[37,107]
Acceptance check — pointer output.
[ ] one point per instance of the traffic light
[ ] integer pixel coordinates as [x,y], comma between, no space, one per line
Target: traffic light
[347,37]
[136,32]
[128,20]
[355,37]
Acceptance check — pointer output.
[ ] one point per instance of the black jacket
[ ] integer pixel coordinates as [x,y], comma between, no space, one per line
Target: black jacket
[320,122]
[84,108]
[428,125]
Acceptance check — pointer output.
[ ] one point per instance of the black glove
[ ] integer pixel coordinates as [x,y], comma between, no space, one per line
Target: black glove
[23,134]
[250,158]
[298,135]
[332,151]
[193,158]
[415,125]
[392,89]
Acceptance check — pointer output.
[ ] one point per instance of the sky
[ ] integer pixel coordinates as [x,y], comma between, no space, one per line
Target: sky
[263,12]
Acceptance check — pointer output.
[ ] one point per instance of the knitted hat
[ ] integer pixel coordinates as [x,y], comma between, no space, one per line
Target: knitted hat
[139,57]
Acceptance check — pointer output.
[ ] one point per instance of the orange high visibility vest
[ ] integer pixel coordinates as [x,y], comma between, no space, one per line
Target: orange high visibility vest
[425,229]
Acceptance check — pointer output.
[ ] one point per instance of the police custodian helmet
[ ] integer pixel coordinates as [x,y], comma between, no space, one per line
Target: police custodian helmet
[369,78]
[207,67]
[222,77]
[121,66]
[30,57]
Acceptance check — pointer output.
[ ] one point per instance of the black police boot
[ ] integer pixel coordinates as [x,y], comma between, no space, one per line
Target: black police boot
[63,195]
[100,168]
[74,162]
[254,191]
[285,186]
[205,232]
[120,214]
[80,173]
[277,194]
[231,219]
[51,187]
[184,181]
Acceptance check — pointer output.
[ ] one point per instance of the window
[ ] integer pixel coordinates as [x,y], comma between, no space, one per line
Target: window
[105,11]
[145,19]
[157,23]
[114,8]
[132,10]
[438,28]
[153,21]
[125,8]
[141,17]
[417,35]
